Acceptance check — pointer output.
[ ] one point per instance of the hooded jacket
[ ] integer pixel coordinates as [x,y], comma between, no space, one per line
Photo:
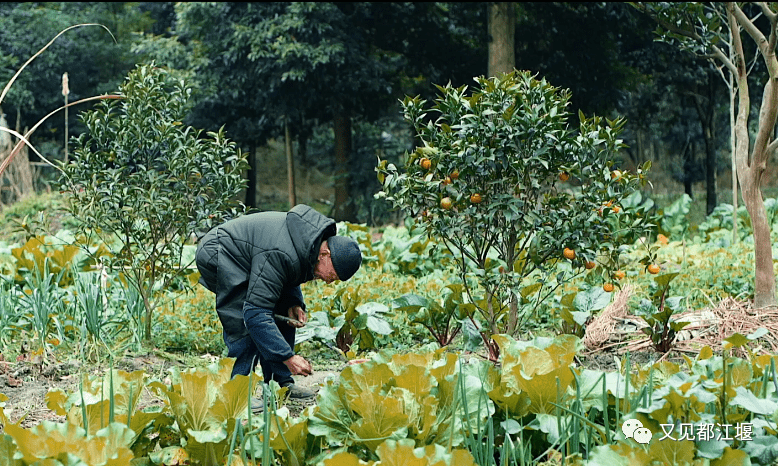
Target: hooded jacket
[257,262]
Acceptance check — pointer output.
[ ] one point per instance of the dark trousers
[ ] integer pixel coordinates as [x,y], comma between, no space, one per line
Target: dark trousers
[247,355]
[239,339]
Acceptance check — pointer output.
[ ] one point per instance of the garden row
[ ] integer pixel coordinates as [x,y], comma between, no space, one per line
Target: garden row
[425,408]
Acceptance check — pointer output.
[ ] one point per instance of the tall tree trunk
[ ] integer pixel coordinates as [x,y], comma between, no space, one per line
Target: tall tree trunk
[751,166]
[764,275]
[732,107]
[290,164]
[705,106]
[342,210]
[251,175]
[688,169]
[502,30]
[302,146]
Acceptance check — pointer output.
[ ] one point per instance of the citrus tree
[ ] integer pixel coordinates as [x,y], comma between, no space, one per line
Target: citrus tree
[141,182]
[524,202]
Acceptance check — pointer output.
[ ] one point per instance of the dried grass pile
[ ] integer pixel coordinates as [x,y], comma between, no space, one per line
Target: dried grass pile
[615,328]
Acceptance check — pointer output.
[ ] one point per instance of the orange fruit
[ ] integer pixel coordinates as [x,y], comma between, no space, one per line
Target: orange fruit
[564,176]
[425,163]
[653,269]
[619,274]
[454,174]
[446,203]
[447,180]
[590,265]
[608,287]
[615,174]
[569,253]
[616,209]
[476,198]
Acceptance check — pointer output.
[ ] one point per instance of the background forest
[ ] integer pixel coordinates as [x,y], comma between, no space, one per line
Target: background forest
[329,77]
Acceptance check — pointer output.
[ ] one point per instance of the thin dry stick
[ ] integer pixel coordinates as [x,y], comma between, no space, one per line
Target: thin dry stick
[23,140]
[8,86]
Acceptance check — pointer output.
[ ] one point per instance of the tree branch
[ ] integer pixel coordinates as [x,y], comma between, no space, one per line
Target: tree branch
[771,148]
[767,118]
[770,14]
[751,29]
[715,51]
[741,127]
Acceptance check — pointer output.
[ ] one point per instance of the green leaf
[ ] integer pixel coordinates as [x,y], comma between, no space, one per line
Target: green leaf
[749,401]
[758,333]
[7,451]
[169,456]
[732,457]
[403,453]
[593,299]
[737,340]
[213,435]
[379,325]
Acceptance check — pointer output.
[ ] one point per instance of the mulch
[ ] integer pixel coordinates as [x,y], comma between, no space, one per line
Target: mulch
[614,329]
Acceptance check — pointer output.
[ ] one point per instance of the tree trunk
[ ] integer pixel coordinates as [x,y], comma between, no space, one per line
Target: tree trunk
[502,30]
[706,109]
[251,175]
[342,210]
[302,147]
[688,169]
[764,275]
[290,165]
[751,166]
[733,155]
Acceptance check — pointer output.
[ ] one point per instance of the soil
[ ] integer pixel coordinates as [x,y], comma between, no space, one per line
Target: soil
[26,383]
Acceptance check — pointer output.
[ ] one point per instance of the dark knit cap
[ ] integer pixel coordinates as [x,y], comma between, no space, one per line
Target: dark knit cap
[346,256]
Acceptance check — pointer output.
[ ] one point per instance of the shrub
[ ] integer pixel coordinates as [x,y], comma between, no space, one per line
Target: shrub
[142,182]
[503,182]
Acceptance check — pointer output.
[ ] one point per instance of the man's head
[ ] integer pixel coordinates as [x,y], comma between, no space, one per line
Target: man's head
[339,259]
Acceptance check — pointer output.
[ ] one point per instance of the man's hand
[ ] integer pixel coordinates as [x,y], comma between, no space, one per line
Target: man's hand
[298,313]
[298,365]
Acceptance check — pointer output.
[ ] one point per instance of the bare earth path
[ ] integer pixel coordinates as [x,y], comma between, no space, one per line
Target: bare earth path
[26,384]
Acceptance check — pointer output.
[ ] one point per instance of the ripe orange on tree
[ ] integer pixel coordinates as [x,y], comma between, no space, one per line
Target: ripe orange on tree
[446,203]
[476,198]
[590,265]
[455,174]
[653,269]
[615,174]
[564,176]
[608,287]
[447,180]
[569,253]
[425,163]
[619,274]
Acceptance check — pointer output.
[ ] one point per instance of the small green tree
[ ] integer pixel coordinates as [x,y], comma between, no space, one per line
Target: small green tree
[142,183]
[525,203]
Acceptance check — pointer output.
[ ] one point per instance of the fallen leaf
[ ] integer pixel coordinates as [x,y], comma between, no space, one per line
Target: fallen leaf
[12,382]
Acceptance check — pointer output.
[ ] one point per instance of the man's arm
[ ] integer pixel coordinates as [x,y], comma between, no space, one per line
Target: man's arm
[269,273]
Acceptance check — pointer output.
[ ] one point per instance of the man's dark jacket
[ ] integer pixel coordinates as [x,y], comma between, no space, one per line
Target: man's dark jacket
[255,265]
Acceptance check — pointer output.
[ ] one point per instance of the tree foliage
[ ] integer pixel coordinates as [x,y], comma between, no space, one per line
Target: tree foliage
[503,181]
[142,182]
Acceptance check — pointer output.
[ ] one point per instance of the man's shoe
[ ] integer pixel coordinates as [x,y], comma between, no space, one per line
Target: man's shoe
[257,405]
[297,392]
